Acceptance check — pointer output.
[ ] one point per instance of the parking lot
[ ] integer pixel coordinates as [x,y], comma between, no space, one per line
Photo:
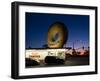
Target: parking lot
[70,61]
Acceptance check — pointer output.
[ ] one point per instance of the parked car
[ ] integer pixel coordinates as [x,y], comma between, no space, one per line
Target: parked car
[30,62]
[52,60]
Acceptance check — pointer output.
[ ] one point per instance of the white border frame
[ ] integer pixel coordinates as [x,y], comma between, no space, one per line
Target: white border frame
[54,70]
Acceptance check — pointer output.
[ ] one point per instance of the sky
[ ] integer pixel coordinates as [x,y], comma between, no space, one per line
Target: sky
[37,25]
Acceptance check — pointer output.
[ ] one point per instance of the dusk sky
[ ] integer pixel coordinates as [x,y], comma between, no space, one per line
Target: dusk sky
[37,25]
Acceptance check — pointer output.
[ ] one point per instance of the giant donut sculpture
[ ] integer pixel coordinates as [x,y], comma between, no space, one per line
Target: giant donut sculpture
[57,35]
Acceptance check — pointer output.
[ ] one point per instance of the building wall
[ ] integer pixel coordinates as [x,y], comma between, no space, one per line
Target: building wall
[44,52]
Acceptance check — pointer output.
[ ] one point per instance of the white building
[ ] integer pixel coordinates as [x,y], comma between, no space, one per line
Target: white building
[40,54]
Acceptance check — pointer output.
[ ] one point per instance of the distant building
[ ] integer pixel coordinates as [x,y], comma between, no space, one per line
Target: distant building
[79,51]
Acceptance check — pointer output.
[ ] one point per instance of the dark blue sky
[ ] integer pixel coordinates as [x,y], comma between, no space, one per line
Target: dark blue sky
[37,25]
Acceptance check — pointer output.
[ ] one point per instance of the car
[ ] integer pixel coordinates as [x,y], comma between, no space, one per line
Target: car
[52,60]
[30,62]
